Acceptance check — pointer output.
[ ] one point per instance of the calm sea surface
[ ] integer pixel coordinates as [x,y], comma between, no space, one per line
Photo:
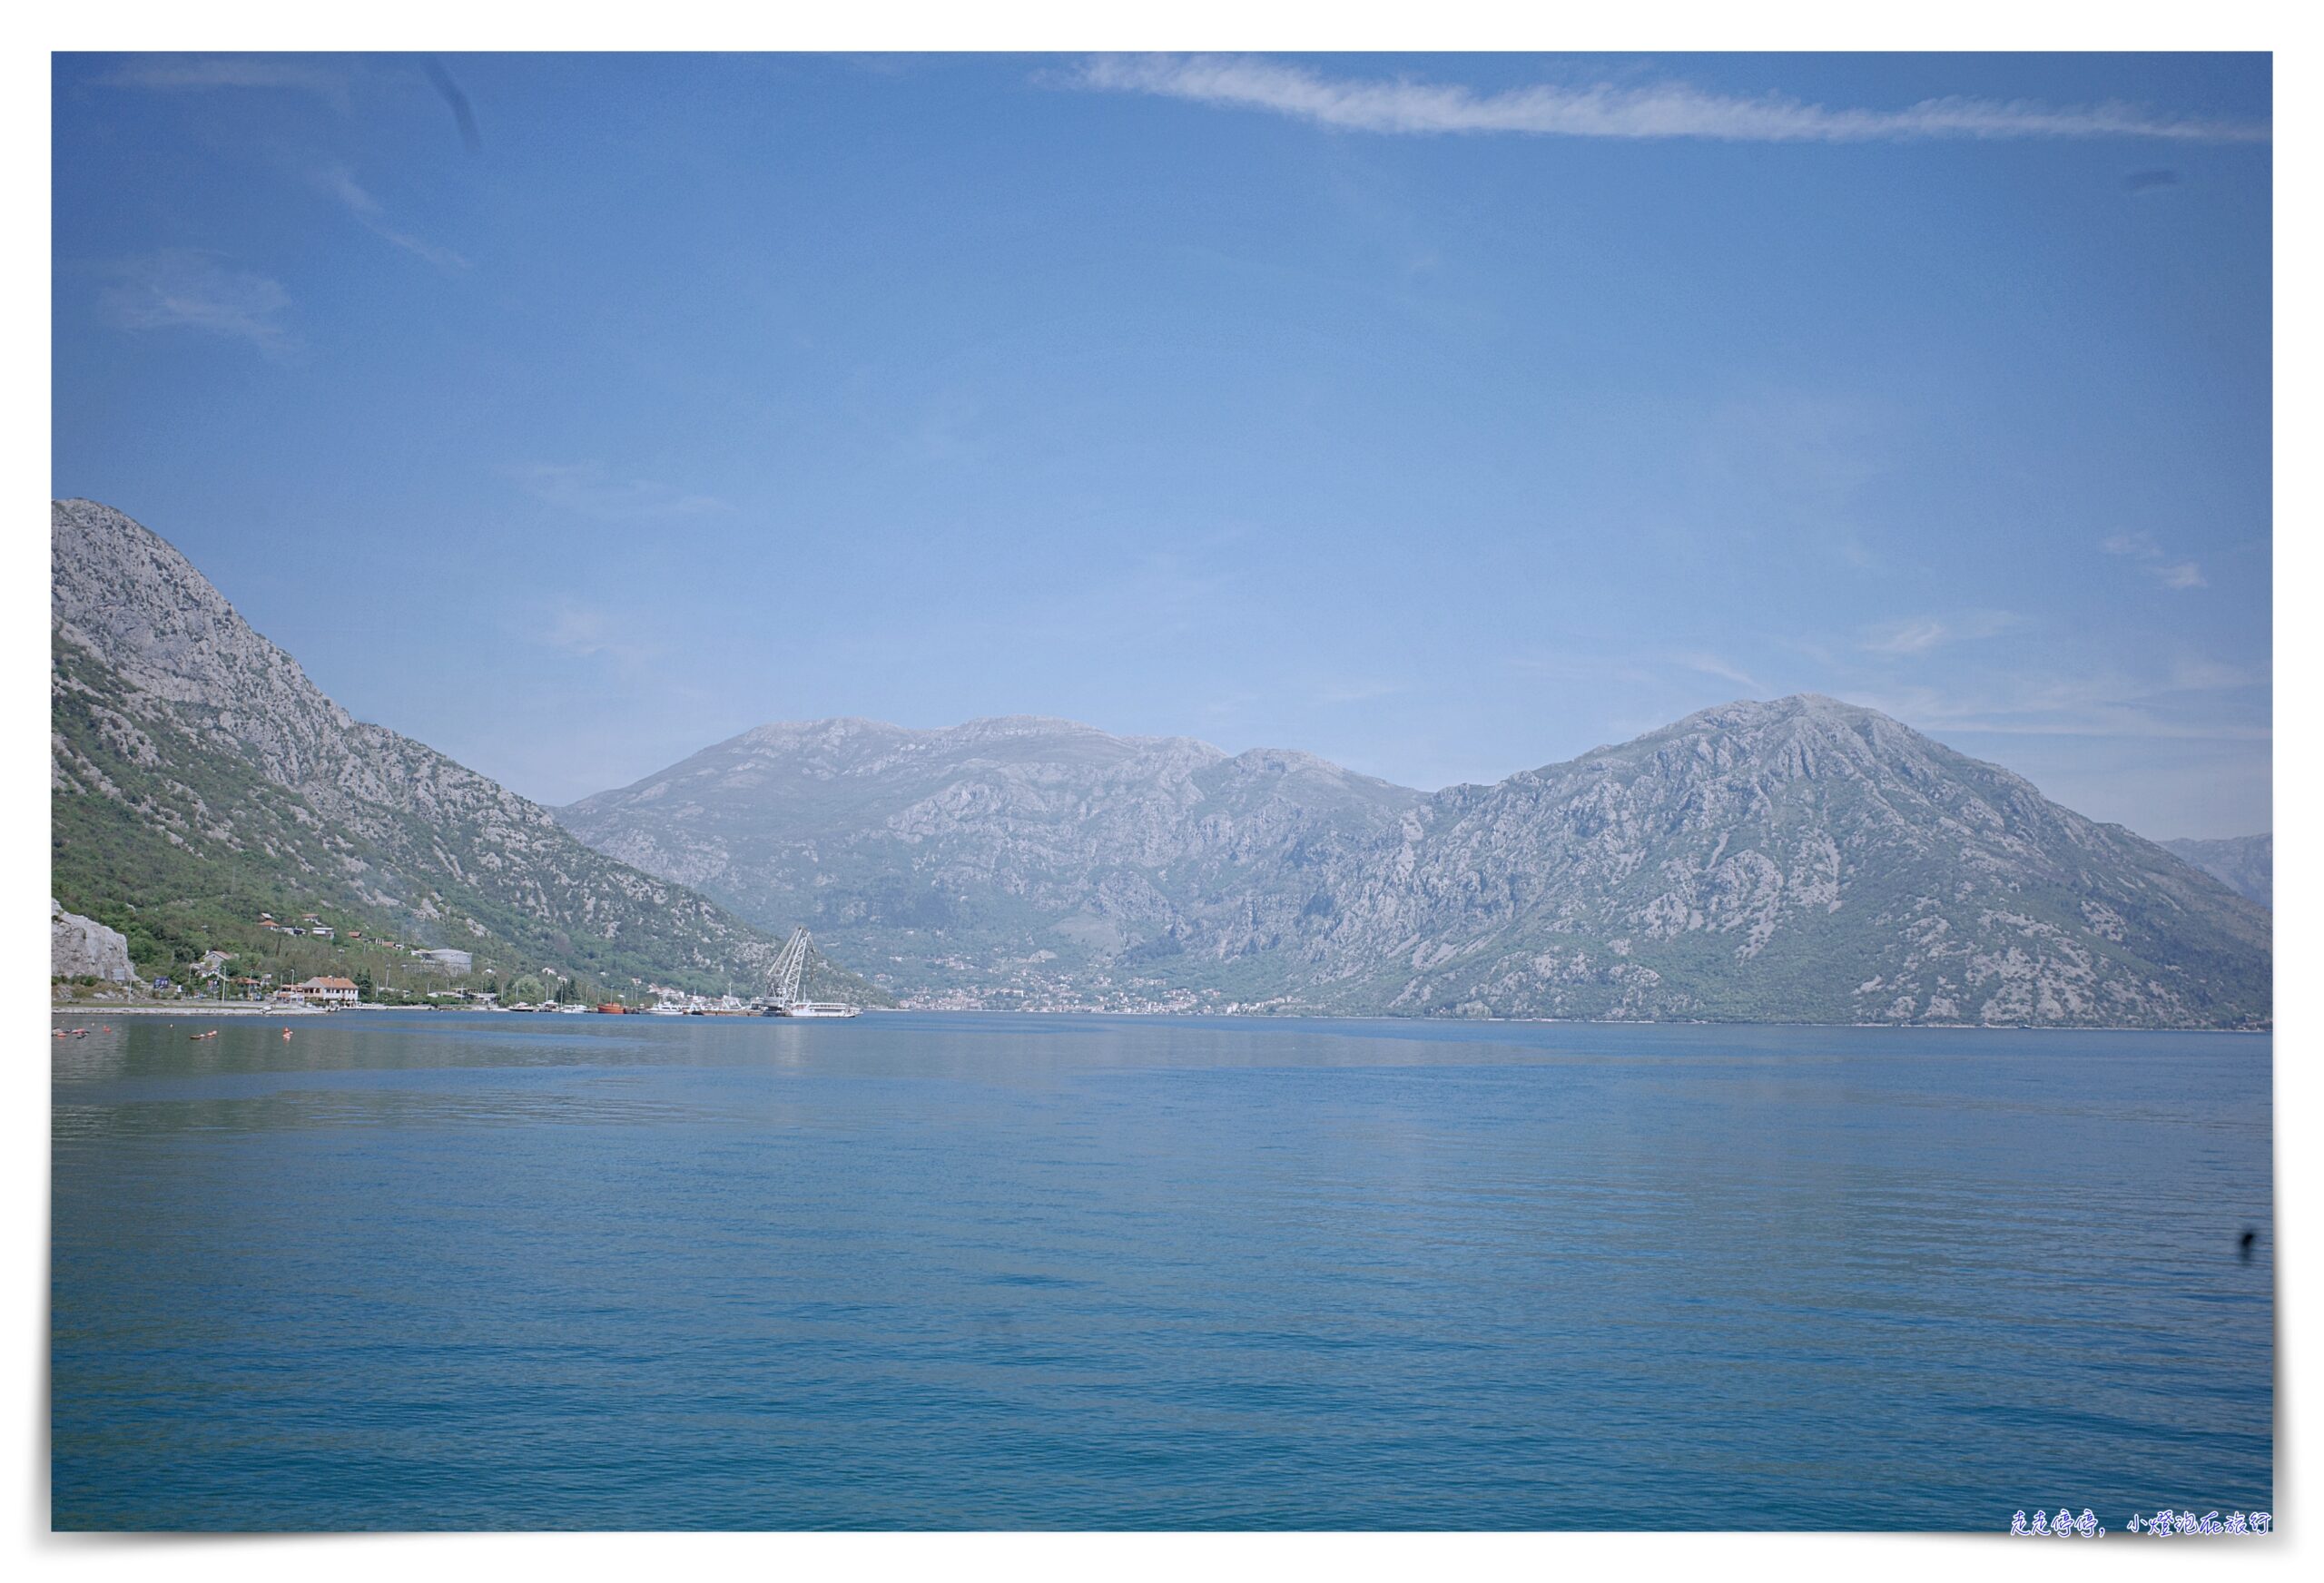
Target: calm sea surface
[951,1271]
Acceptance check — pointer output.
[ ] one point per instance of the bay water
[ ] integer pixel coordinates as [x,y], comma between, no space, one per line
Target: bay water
[978,1271]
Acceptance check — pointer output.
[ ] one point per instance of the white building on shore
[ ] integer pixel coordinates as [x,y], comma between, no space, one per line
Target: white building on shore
[320,991]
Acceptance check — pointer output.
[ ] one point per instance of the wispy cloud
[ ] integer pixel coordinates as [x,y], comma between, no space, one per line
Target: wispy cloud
[1916,634]
[1913,636]
[2193,673]
[586,632]
[2198,700]
[1712,665]
[340,183]
[199,73]
[590,489]
[1665,110]
[2144,548]
[185,289]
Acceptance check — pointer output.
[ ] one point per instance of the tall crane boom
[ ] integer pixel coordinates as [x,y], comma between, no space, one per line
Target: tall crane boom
[790,967]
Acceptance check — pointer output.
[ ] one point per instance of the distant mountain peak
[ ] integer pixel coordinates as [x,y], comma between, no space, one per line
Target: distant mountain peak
[1794,859]
[985,728]
[2245,864]
[1798,711]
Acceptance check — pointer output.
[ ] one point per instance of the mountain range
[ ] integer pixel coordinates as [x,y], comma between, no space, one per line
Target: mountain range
[2245,864]
[1800,860]
[195,770]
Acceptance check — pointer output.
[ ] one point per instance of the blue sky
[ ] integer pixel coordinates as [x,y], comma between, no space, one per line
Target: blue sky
[1445,416]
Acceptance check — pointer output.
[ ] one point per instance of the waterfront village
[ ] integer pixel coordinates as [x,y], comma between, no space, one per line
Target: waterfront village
[337,965]
[319,961]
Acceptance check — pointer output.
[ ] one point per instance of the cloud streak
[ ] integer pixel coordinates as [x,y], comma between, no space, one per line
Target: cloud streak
[588,490]
[203,73]
[183,289]
[2194,705]
[1711,665]
[1918,635]
[2142,549]
[586,632]
[1665,110]
[340,184]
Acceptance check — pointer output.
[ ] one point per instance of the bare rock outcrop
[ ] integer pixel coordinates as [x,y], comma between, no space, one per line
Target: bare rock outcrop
[80,946]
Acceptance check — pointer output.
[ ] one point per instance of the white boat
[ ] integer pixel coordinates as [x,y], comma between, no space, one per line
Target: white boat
[812,1009]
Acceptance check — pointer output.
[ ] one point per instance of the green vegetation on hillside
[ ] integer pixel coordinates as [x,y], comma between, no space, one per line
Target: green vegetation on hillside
[178,842]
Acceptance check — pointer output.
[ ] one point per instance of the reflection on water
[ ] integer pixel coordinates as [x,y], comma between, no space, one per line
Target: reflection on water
[981,1271]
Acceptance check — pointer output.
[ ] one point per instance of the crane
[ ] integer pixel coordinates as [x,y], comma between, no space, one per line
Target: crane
[790,968]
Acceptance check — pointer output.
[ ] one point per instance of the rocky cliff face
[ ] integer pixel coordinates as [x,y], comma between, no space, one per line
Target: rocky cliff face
[1794,860]
[1020,855]
[1798,859]
[186,744]
[2245,864]
[80,946]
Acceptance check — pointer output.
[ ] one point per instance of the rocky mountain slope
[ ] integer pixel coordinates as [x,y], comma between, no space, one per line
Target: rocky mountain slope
[82,947]
[192,759]
[1018,854]
[1798,861]
[2245,864]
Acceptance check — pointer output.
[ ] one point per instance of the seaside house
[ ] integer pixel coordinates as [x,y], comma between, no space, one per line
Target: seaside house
[320,991]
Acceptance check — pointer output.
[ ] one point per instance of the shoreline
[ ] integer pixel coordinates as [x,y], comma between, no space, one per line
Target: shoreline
[1568,1021]
[192,1008]
[200,1009]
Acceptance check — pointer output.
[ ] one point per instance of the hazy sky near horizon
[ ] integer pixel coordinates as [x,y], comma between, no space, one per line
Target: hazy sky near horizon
[1445,416]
